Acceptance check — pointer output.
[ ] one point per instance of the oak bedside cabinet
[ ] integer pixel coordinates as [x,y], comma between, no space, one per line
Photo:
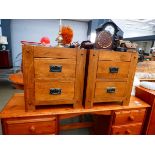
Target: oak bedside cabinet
[110,76]
[53,76]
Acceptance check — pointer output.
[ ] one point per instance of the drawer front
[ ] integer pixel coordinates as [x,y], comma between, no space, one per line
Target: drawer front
[129,116]
[110,89]
[54,68]
[114,56]
[48,90]
[132,129]
[113,69]
[32,126]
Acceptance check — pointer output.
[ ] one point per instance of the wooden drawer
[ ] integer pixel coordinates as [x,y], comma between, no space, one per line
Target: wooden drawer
[132,129]
[28,126]
[110,89]
[114,56]
[113,69]
[54,68]
[129,116]
[51,92]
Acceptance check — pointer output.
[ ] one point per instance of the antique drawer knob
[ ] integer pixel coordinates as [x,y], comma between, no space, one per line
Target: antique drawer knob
[55,91]
[111,89]
[113,69]
[131,118]
[55,68]
[32,128]
[128,131]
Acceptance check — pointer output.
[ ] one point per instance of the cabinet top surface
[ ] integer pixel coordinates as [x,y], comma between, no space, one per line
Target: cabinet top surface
[16,108]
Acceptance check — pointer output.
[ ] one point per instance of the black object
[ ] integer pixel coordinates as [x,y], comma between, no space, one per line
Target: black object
[113,69]
[111,90]
[121,49]
[54,68]
[87,45]
[55,91]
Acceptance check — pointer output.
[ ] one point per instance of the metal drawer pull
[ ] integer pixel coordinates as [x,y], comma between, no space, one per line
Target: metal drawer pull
[111,90]
[55,68]
[131,118]
[128,132]
[113,69]
[55,91]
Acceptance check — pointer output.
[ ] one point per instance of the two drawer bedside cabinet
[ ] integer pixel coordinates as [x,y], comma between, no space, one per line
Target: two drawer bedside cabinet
[53,76]
[110,76]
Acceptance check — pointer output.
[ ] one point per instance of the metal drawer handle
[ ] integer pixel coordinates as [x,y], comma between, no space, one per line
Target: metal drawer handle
[55,91]
[111,89]
[55,68]
[113,69]
[128,131]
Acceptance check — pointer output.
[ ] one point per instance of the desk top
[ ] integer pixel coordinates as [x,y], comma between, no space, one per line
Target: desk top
[16,108]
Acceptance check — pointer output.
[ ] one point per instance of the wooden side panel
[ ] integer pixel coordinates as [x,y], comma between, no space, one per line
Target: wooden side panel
[92,69]
[42,68]
[134,59]
[50,52]
[114,56]
[79,81]
[104,69]
[28,76]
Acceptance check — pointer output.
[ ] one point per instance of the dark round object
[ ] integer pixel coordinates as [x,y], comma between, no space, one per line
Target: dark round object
[103,40]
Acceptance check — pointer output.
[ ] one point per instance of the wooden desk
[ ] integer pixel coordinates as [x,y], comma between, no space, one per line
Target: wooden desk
[46,121]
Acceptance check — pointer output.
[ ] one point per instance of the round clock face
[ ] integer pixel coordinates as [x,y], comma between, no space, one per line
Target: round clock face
[103,40]
[109,28]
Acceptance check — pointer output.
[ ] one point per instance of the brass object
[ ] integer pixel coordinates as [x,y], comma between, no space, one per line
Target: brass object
[59,39]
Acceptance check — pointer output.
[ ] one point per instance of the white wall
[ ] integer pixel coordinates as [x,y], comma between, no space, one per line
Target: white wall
[133,29]
[33,30]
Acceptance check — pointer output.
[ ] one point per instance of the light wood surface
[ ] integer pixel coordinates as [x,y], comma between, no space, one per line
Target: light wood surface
[16,108]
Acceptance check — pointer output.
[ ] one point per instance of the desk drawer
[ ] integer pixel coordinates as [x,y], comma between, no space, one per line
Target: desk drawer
[132,129]
[129,116]
[54,68]
[113,69]
[47,91]
[33,126]
[110,89]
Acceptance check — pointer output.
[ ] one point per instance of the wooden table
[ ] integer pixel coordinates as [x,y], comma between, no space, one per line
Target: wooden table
[16,121]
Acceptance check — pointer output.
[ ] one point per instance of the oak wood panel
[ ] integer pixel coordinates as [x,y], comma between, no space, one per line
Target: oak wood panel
[43,86]
[79,81]
[132,129]
[92,69]
[42,68]
[101,89]
[29,126]
[16,108]
[132,69]
[103,69]
[114,56]
[129,116]
[52,52]
[28,70]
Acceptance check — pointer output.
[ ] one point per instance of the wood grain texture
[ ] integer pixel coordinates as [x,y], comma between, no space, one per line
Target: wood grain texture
[43,86]
[149,97]
[114,56]
[129,116]
[31,126]
[103,69]
[16,108]
[28,70]
[52,52]
[101,89]
[42,68]
[132,129]
[92,69]
[79,81]
[132,69]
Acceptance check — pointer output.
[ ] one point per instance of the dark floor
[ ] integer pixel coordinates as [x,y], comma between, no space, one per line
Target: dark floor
[6,91]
